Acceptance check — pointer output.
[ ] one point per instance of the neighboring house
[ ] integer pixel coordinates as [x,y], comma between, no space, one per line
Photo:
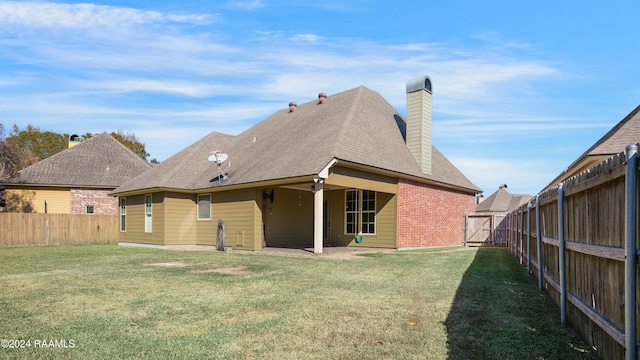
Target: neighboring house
[502,201]
[613,142]
[333,172]
[76,180]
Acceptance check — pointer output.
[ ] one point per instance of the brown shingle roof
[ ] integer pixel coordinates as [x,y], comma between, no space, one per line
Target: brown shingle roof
[502,201]
[356,126]
[615,140]
[101,161]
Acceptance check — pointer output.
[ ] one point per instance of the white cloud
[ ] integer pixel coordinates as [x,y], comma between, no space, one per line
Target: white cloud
[246,4]
[214,81]
[56,15]
[306,37]
[192,89]
[522,177]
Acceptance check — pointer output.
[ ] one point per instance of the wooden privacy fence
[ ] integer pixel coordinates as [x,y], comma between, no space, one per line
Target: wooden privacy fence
[485,229]
[57,229]
[581,239]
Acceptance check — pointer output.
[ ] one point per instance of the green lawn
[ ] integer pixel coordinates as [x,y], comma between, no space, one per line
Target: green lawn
[122,302]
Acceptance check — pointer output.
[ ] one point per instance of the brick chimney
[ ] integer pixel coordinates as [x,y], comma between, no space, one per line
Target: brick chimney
[419,121]
[75,140]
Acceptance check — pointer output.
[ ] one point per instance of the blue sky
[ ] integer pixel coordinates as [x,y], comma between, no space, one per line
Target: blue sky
[521,89]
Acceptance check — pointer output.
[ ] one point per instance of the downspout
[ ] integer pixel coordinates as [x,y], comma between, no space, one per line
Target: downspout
[631,261]
[562,267]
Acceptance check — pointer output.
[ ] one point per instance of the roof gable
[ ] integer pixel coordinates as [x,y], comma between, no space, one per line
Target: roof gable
[356,126]
[502,201]
[100,161]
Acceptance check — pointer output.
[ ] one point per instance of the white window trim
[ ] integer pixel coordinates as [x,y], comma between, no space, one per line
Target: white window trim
[359,213]
[148,216]
[346,231]
[198,207]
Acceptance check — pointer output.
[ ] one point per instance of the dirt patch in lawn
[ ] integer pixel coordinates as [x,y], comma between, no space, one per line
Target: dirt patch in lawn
[232,270]
[170,264]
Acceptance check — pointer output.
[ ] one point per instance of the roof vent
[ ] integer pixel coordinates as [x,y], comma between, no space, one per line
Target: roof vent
[503,186]
[293,106]
[322,98]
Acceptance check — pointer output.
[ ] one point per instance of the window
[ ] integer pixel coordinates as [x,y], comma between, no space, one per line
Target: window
[89,209]
[360,212]
[204,207]
[368,211]
[147,213]
[123,214]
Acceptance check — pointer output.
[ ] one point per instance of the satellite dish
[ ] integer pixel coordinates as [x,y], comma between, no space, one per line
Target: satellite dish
[218,157]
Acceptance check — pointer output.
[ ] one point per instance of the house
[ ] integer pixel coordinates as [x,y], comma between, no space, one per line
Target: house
[76,180]
[502,201]
[346,170]
[626,132]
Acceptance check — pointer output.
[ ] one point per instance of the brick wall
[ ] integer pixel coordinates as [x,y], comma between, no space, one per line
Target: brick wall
[103,204]
[430,216]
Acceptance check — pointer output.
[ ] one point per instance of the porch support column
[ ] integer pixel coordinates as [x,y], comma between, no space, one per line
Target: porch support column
[318,198]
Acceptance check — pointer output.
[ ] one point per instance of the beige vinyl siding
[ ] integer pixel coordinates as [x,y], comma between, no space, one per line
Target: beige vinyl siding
[241,216]
[419,128]
[206,230]
[31,200]
[135,221]
[179,219]
[356,179]
[289,220]
[386,222]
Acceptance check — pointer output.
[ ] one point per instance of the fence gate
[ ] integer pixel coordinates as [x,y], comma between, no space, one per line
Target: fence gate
[484,229]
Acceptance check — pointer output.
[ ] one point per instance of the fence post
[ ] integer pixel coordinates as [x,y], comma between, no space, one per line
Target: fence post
[529,238]
[466,226]
[515,234]
[631,252]
[510,233]
[492,231]
[539,242]
[522,237]
[562,267]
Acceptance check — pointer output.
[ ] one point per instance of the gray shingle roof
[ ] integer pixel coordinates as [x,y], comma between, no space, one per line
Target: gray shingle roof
[502,201]
[99,162]
[356,126]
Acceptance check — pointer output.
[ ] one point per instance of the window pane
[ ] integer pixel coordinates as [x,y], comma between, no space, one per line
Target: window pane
[204,207]
[147,201]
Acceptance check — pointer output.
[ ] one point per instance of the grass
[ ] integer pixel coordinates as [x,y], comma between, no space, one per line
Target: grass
[117,302]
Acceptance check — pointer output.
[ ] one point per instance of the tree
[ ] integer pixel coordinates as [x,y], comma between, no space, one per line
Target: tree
[14,154]
[21,148]
[128,140]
